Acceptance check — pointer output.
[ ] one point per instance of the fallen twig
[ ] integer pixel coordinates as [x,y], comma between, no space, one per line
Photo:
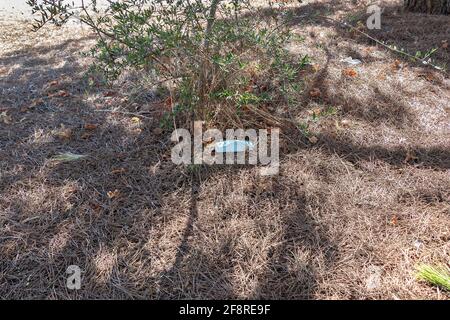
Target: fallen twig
[423,60]
[136,114]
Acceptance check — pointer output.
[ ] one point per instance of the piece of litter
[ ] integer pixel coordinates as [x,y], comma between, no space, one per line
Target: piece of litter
[7,119]
[418,244]
[233,146]
[68,156]
[351,61]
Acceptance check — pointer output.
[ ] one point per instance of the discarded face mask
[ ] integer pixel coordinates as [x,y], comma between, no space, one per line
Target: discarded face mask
[231,146]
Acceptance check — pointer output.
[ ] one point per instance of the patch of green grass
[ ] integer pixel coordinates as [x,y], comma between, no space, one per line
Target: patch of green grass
[304,61]
[438,276]
[167,120]
[304,129]
[297,38]
[425,55]
[330,111]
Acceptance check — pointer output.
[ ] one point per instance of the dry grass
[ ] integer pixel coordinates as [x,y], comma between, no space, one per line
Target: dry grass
[349,217]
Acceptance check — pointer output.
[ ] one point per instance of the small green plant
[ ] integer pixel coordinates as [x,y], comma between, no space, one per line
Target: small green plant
[438,276]
[425,55]
[304,129]
[297,38]
[169,118]
[193,168]
[320,113]
[330,111]
[304,61]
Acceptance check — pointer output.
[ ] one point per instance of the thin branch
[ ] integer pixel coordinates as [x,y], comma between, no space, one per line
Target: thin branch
[136,114]
[423,61]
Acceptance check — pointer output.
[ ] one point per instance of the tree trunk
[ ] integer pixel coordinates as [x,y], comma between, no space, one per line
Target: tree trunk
[428,6]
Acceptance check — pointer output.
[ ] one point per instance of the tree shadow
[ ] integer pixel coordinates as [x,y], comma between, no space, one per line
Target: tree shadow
[81,217]
[436,157]
[97,206]
[295,264]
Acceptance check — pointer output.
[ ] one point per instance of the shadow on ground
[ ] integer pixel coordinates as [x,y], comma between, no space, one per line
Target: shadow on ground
[141,227]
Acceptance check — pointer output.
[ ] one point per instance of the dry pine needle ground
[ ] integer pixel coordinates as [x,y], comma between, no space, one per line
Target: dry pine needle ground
[349,217]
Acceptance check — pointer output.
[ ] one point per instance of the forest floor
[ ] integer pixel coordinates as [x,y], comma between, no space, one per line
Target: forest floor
[350,216]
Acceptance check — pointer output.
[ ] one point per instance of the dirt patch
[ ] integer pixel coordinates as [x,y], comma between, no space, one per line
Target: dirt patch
[349,217]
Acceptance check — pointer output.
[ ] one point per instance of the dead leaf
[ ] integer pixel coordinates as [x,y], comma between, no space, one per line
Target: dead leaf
[96,207]
[369,50]
[119,170]
[396,65]
[37,102]
[53,83]
[64,133]
[316,67]
[157,131]
[34,104]
[71,189]
[427,75]
[113,194]
[394,220]
[315,92]
[381,76]
[316,112]
[90,126]
[168,103]
[110,93]
[59,94]
[135,120]
[208,140]
[313,139]
[444,44]
[349,72]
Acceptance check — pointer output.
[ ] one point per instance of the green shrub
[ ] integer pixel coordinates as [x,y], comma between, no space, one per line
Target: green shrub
[224,58]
